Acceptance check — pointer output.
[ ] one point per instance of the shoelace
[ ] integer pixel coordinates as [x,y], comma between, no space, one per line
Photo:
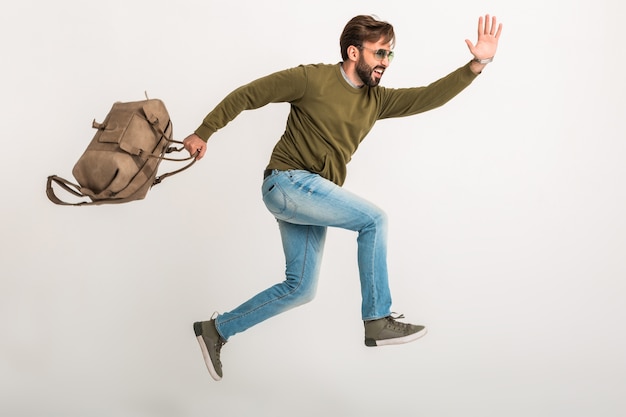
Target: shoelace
[218,349]
[391,321]
[220,342]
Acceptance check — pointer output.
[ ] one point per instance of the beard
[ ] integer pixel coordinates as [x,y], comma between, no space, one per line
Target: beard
[365,73]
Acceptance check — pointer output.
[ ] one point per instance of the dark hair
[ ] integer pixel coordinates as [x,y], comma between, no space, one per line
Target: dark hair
[364,28]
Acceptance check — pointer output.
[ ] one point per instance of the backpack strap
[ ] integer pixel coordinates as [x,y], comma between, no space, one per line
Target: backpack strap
[160,178]
[67,186]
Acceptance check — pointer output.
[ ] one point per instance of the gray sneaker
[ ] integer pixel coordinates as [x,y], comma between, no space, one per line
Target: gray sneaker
[211,344]
[388,331]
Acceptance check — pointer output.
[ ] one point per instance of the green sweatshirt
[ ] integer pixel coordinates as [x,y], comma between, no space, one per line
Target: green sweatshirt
[328,118]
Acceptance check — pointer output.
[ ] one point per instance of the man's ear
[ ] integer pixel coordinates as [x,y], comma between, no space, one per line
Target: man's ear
[353,53]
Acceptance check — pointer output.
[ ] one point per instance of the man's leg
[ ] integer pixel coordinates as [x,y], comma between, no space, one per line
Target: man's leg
[303,246]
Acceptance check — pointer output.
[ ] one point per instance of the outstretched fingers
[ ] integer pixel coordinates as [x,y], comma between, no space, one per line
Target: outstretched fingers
[488,25]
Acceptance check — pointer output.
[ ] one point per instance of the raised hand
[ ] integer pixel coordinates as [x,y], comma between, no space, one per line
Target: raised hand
[488,35]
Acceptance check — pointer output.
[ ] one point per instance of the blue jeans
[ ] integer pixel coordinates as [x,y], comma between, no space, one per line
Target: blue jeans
[305,204]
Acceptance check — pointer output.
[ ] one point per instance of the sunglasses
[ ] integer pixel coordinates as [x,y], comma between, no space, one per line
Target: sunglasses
[380,54]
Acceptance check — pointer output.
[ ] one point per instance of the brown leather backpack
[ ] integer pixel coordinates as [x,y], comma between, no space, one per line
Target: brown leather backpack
[121,162]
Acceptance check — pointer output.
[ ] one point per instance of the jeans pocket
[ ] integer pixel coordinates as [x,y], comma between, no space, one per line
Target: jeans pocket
[277,202]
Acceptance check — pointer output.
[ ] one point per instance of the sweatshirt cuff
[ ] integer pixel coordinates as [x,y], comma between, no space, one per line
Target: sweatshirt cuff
[204,132]
[468,71]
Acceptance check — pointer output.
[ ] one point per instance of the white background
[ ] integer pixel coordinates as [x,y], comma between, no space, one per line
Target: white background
[506,206]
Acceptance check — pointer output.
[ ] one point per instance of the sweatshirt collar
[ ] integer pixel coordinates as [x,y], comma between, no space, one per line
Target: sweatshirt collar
[345,76]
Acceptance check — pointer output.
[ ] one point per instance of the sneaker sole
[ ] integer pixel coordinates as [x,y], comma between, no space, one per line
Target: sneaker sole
[396,340]
[207,357]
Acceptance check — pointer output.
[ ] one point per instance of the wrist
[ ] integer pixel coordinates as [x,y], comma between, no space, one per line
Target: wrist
[483,61]
[478,64]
